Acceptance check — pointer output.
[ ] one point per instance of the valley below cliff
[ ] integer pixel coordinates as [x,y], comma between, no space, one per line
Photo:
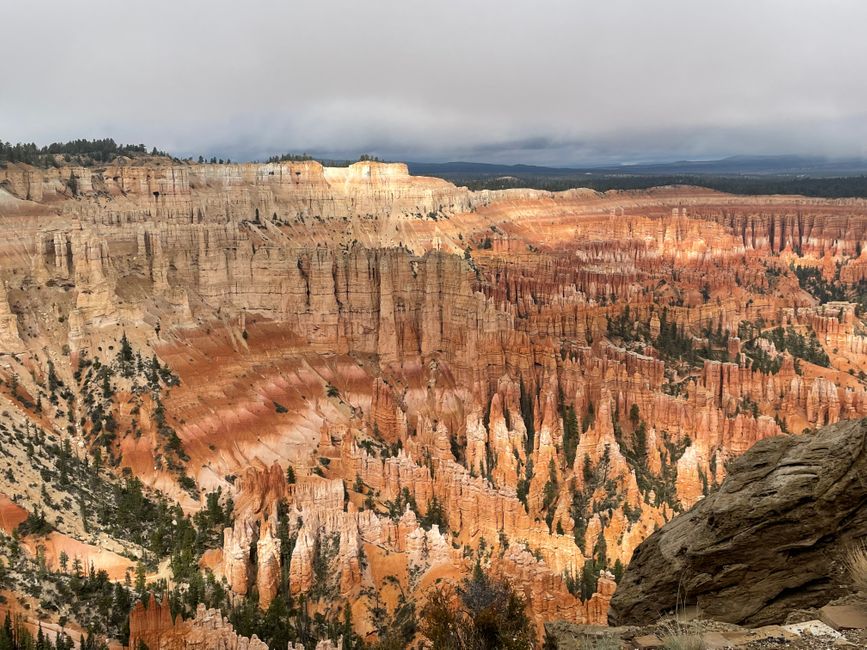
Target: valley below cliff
[287,391]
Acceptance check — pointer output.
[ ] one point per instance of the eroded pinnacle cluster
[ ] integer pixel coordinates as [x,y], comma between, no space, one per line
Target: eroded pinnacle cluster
[394,379]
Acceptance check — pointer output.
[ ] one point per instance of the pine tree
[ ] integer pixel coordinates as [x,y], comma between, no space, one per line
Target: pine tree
[527,414]
[140,579]
[7,635]
[125,357]
[570,434]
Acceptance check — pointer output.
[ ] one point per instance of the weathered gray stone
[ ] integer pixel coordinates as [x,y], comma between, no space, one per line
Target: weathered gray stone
[647,641]
[571,636]
[812,628]
[764,543]
[715,641]
[767,633]
[844,617]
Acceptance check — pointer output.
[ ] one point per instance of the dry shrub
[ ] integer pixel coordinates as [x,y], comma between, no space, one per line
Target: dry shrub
[677,636]
[600,643]
[856,565]
[683,642]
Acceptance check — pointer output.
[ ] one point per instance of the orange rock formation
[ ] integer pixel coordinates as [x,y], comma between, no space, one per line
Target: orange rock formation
[529,379]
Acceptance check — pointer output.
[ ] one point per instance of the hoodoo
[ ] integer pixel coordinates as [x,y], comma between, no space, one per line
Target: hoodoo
[299,392]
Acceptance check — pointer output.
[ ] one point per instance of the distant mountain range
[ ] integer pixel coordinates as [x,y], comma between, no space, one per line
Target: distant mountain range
[787,165]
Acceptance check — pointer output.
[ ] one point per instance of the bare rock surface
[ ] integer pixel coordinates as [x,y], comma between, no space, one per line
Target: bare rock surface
[673,632]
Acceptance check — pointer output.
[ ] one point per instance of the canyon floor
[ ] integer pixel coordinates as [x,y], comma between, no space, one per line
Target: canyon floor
[302,397]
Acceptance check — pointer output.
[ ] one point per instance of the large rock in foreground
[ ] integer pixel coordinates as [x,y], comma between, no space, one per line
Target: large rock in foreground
[765,543]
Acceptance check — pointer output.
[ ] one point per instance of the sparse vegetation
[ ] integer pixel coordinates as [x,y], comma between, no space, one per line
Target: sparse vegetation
[83,152]
[482,613]
[856,565]
[677,636]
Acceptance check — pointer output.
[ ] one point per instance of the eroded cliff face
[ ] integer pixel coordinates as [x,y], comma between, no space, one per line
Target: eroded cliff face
[532,381]
[153,625]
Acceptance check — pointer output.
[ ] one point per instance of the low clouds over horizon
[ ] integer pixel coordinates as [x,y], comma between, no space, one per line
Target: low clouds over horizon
[549,82]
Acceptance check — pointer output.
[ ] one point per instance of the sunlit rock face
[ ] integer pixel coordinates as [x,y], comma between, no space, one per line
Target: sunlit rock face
[152,623]
[530,380]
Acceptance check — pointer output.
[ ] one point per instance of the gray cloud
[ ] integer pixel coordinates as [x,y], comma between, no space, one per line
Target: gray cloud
[551,82]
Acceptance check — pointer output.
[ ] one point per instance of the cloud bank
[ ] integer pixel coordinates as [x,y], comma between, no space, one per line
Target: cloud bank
[549,82]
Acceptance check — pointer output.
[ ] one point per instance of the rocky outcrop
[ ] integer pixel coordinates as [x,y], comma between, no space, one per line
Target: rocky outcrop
[805,226]
[765,543]
[255,527]
[547,594]
[236,555]
[268,563]
[10,337]
[152,625]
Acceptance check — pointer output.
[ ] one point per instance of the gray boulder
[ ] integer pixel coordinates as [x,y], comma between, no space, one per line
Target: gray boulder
[768,541]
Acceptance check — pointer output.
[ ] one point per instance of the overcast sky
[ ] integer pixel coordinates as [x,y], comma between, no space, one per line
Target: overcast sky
[538,81]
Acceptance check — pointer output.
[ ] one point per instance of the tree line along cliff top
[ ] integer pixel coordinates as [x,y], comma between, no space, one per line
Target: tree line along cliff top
[84,152]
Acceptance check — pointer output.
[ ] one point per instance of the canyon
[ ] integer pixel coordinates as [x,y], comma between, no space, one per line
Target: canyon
[764,544]
[392,379]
